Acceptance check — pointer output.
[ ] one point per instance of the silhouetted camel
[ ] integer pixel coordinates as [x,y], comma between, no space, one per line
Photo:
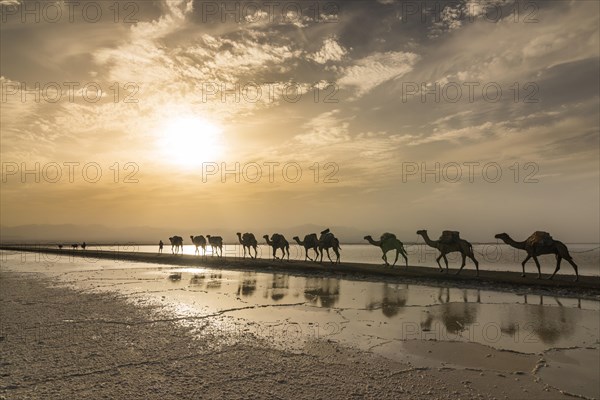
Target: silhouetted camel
[74,246]
[310,241]
[278,241]
[538,244]
[176,244]
[329,241]
[60,246]
[387,242]
[199,241]
[83,245]
[465,248]
[216,242]
[248,240]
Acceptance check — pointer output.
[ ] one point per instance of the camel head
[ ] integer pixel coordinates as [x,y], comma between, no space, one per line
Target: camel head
[422,232]
[501,236]
[239,234]
[368,237]
[266,237]
[192,237]
[296,238]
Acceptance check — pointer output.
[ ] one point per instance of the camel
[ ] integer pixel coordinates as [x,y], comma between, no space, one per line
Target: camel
[465,248]
[387,242]
[538,244]
[74,246]
[329,241]
[248,240]
[60,246]
[199,241]
[176,244]
[83,245]
[216,242]
[278,241]
[310,242]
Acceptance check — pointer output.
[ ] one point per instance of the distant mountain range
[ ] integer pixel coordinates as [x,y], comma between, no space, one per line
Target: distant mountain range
[100,234]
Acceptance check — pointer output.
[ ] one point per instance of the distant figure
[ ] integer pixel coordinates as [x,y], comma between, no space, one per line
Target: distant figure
[83,245]
[74,246]
[160,247]
[60,246]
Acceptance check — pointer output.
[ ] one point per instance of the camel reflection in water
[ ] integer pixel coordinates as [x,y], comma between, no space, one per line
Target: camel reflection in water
[454,315]
[278,287]
[542,321]
[212,280]
[247,284]
[392,301]
[323,292]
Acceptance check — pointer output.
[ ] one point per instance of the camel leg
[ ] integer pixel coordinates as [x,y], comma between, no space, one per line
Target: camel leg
[558,260]
[438,262]
[523,264]
[537,263]
[397,252]
[328,255]
[472,257]
[570,261]
[337,256]
[405,258]
[274,253]
[384,257]
[462,265]
[446,262]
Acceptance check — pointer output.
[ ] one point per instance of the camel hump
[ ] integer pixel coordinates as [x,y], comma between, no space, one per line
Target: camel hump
[540,238]
[450,236]
[387,236]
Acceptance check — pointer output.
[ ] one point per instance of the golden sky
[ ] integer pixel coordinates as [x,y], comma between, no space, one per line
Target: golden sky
[343,94]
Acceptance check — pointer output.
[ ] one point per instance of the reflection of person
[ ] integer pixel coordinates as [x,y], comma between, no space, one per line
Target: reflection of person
[160,247]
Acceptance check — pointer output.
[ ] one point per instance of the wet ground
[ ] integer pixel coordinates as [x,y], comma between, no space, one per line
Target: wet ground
[554,338]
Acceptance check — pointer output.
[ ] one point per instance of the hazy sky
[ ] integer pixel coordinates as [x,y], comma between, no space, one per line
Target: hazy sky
[360,96]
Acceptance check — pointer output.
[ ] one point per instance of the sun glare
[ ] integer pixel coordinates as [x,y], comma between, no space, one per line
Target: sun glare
[190,141]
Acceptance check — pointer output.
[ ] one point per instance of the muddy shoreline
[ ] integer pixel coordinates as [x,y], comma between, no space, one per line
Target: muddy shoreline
[63,343]
[563,285]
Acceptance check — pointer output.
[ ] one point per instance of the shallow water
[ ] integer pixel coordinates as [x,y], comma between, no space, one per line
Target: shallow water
[496,257]
[418,324]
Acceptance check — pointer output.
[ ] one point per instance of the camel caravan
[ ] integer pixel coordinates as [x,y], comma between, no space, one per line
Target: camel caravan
[539,243]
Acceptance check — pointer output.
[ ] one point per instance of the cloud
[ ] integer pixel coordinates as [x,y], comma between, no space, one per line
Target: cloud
[331,51]
[375,69]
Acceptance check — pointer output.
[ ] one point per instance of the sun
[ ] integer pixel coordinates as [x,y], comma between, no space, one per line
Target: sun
[190,141]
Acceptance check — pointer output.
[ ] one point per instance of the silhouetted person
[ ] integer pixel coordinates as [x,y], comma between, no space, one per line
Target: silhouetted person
[60,246]
[160,247]
[83,245]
